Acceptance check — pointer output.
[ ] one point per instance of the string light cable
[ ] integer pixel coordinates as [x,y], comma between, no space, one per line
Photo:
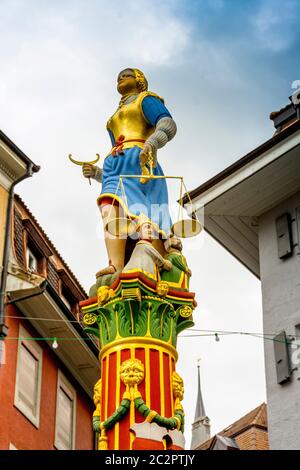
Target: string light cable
[199,333]
[191,330]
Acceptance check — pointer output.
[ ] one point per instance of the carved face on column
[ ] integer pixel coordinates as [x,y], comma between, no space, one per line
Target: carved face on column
[97,392]
[178,387]
[132,372]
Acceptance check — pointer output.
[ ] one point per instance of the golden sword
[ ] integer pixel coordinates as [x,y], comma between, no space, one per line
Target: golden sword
[77,162]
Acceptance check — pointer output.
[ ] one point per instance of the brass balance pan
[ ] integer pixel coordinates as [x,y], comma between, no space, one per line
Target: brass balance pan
[121,227]
[186,228]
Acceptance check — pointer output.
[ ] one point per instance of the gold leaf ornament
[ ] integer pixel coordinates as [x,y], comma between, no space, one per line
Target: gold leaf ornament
[89,318]
[185,311]
[162,288]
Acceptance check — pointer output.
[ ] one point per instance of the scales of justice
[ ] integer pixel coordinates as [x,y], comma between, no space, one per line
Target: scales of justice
[141,299]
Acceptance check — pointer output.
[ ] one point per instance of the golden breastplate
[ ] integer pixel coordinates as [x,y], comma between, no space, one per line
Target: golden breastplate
[130,122]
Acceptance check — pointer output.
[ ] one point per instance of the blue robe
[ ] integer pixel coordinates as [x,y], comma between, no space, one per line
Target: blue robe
[151,198]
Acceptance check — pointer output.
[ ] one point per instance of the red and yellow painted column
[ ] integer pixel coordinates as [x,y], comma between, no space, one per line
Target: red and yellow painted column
[138,397]
[156,389]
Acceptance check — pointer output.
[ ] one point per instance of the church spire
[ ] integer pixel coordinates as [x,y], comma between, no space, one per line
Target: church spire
[200,411]
[201,425]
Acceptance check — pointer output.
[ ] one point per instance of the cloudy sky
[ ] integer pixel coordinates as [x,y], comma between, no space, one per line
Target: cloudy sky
[222,67]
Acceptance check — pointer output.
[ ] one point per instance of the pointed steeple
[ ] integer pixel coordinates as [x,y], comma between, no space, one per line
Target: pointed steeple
[200,411]
[201,425]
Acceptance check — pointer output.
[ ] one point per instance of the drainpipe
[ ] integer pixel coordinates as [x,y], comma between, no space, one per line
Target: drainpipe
[32,168]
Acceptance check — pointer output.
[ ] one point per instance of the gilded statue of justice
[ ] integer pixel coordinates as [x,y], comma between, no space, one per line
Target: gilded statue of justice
[141,300]
[133,183]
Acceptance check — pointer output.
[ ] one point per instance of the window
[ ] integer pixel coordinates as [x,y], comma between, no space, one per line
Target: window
[37,248]
[295,351]
[66,301]
[31,261]
[35,260]
[70,292]
[65,414]
[28,377]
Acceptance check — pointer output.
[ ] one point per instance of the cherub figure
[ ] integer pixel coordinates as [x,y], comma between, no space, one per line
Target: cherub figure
[178,390]
[132,372]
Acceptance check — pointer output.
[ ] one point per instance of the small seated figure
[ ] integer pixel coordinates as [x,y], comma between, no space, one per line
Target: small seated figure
[179,274]
[145,257]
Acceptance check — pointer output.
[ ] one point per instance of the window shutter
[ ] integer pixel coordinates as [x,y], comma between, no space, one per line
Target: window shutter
[282,359]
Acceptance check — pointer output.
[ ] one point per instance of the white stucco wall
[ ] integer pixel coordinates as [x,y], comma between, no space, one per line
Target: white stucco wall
[281,310]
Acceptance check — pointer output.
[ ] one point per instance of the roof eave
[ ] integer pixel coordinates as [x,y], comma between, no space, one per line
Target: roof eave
[77,349]
[230,205]
[13,147]
[249,157]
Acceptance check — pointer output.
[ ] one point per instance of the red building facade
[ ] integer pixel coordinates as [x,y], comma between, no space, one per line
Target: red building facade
[46,394]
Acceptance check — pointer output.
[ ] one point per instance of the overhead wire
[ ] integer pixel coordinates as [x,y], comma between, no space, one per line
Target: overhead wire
[201,332]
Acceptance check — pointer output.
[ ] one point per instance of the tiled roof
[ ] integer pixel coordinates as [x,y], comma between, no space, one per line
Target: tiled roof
[253,439]
[256,417]
[52,246]
[249,432]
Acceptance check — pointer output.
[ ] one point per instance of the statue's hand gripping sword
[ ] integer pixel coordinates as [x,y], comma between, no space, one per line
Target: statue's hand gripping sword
[77,162]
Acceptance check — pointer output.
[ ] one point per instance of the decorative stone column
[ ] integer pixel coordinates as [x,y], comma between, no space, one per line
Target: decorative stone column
[138,399]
